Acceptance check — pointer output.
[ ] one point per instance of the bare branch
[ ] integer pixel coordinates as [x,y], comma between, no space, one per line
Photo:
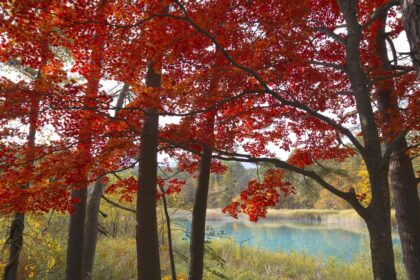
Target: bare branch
[118,205]
[331,34]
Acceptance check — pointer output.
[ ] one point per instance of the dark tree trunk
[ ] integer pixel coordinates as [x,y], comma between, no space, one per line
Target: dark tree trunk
[381,247]
[92,221]
[378,221]
[76,238]
[148,262]
[401,171]
[168,226]
[198,224]
[16,242]
[411,19]
[18,223]
[407,209]
[378,212]
[91,230]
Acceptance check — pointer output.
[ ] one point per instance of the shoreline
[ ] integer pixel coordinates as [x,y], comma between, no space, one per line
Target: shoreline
[346,217]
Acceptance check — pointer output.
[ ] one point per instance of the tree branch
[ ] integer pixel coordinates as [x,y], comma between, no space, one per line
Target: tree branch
[262,82]
[349,196]
[330,33]
[118,205]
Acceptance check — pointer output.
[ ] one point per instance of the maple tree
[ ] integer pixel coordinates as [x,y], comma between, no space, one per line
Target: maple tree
[240,75]
[21,194]
[92,209]
[393,124]
[372,150]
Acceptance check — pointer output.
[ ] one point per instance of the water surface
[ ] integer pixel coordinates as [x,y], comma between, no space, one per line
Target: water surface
[316,239]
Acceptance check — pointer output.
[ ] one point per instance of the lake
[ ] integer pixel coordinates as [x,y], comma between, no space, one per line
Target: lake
[316,239]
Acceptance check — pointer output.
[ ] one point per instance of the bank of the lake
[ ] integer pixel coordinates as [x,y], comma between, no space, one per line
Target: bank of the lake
[227,260]
[347,217]
[316,238]
[43,255]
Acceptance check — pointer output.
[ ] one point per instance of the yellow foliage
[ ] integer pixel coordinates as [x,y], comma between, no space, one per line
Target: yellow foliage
[41,253]
[179,277]
[363,187]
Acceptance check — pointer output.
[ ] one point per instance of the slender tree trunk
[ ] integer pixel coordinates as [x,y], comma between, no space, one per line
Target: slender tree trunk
[168,226]
[148,262]
[76,238]
[76,235]
[198,224]
[18,223]
[16,242]
[401,171]
[92,221]
[411,19]
[91,231]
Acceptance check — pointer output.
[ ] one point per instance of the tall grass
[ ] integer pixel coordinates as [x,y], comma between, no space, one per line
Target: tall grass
[116,259]
[251,263]
[44,254]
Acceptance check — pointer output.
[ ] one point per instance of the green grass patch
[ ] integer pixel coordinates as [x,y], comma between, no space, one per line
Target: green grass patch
[116,259]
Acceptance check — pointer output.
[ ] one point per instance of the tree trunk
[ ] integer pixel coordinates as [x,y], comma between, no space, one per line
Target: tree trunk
[148,262]
[76,238]
[91,230]
[406,199]
[16,242]
[379,209]
[18,223]
[401,171]
[407,208]
[378,221]
[411,19]
[381,247]
[168,226]
[383,263]
[92,221]
[198,224]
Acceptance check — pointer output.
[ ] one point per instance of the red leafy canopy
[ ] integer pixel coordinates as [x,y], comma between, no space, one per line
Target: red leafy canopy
[255,200]
[127,187]
[261,73]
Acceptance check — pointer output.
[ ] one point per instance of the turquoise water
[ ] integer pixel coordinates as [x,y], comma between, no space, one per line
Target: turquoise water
[316,239]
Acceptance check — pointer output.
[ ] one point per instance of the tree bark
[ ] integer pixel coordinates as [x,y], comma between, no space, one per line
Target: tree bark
[407,209]
[16,242]
[148,262]
[76,238]
[169,234]
[401,171]
[411,19]
[92,221]
[91,230]
[379,209]
[378,221]
[198,224]
[381,247]
[18,223]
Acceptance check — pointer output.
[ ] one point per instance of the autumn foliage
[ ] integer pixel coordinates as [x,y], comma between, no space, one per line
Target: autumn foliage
[44,37]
